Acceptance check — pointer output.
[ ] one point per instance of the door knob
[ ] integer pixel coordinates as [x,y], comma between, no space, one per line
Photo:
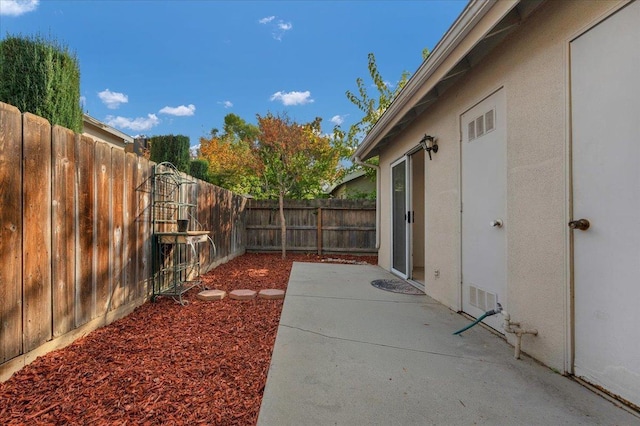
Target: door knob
[581,224]
[496,223]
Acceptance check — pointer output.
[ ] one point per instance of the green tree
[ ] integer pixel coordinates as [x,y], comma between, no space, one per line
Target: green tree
[372,107]
[171,148]
[232,163]
[237,129]
[294,159]
[41,77]
[199,168]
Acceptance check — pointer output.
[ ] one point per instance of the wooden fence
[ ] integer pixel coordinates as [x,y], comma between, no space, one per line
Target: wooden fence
[322,226]
[75,237]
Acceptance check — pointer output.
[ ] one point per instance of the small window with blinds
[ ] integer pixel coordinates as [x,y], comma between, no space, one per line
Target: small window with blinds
[472,130]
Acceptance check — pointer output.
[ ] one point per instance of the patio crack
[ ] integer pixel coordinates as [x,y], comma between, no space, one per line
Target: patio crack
[388,346]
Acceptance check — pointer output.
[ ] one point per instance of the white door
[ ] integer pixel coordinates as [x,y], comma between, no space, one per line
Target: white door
[484,183]
[400,217]
[605,98]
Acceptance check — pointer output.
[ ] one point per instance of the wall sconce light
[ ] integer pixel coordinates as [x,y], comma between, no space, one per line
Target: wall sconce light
[428,143]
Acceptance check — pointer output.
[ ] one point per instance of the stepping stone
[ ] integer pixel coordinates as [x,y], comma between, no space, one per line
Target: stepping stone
[211,295]
[271,293]
[242,294]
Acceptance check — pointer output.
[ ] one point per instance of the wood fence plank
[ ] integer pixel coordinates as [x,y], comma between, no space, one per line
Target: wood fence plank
[319,231]
[102,244]
[130,227]
[208,251]
[118,288]
[238,223]
[211,226]
[326,225]
[218,221]
[200,217]
[64,234]
[215,220]
[10,232]
[141,193]
[85,302]
[222,229]
[289,227]
[225,222]
[36,183]
[145,273]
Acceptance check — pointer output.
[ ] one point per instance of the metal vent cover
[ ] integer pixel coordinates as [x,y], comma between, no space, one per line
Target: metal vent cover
[481,125]
[482,299]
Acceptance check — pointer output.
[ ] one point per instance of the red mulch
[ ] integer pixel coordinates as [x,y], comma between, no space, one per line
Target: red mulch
[205,362]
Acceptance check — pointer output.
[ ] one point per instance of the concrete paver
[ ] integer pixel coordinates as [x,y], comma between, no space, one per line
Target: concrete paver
[211,295]
[242,294]
[271,293]
[347,353]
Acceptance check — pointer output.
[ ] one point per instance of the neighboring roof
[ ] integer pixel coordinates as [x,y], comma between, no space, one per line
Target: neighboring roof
[481,26]
[347,178]
[86,118]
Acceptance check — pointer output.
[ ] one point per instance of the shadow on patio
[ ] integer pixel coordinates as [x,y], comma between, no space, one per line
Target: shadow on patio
[347,353]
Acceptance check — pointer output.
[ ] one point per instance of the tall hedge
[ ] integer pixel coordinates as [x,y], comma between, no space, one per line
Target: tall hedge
[172,148]
[199,168]
[41,77]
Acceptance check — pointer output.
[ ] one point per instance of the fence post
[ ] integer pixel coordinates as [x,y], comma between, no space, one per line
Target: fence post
[319,220]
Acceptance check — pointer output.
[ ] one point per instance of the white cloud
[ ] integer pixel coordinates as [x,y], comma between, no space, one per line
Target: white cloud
[137,124]
[112,99]
[292,98]
[338,119]
[279,28]
[181,111]
[266,20]
[17,7]
[226,104]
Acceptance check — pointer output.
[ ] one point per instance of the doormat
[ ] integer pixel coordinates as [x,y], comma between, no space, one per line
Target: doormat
[396,286]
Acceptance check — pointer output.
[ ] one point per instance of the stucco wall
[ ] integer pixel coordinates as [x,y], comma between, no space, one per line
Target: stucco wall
[532,65]
[102,135]
[360,185]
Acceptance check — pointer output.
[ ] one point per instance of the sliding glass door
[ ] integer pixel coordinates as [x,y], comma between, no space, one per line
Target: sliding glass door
[400,217]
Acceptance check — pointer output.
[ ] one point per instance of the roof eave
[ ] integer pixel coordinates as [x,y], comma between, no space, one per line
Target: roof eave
[97,123]
[473,13]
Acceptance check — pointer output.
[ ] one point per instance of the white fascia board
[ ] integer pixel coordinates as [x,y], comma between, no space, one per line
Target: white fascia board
[466,22]
[125,138]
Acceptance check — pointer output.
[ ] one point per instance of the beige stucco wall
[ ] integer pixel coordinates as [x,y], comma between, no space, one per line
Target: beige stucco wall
[359,185]
[532,66]
[102,135]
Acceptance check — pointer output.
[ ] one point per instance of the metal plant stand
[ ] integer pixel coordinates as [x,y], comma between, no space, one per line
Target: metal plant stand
[176,247]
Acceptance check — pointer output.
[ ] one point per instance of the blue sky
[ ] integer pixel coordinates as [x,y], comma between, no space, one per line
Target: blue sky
[157,67]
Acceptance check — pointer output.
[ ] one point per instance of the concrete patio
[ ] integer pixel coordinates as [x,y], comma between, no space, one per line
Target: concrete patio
[347,353]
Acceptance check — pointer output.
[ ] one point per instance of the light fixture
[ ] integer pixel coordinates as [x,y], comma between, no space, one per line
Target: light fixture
[428,143]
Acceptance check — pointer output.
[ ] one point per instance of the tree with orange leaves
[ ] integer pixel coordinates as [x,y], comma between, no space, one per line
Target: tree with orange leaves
[232,164]
[295,160]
